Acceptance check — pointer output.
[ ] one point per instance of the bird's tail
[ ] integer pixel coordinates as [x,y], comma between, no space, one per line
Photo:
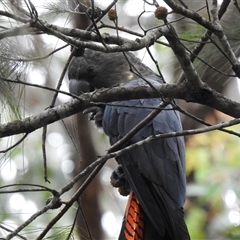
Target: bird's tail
[133,227]
[136,225]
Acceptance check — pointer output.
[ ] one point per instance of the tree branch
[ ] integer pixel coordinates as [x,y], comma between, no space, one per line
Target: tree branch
[177,8]
[100,161]
[66,35]
[203,95]
[189,70]
[18,31]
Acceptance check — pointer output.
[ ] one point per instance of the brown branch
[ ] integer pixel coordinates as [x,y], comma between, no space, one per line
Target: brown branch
[177,8]
[14,16]
[178,48]
[18,31]
[205,37]
[9,230]
[203,95]
[67,34]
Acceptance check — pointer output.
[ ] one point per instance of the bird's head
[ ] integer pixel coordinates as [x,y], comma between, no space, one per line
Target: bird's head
[94,70]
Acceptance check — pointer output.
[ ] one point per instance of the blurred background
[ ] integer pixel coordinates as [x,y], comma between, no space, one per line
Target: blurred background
[212,159]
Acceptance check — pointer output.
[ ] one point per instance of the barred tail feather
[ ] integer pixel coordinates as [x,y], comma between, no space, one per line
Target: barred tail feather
[133,227]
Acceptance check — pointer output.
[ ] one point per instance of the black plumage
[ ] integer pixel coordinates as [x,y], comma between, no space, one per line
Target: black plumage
[155,171]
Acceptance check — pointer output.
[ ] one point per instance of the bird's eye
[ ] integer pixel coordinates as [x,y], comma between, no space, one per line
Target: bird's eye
[90,69]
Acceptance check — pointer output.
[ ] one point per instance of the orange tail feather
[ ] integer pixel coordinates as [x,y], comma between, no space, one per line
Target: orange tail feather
[134,219]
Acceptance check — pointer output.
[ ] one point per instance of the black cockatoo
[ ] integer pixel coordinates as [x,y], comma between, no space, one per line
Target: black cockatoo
[154,173]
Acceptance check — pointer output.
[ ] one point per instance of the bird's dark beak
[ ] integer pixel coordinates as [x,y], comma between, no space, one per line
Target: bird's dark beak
[78,87]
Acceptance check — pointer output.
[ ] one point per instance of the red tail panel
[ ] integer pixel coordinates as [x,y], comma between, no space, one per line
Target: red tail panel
[134,220]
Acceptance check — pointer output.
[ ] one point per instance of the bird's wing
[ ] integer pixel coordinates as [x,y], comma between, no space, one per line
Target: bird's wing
[155,171]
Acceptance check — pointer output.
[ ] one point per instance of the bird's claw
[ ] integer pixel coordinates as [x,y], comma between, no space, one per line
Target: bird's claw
[118,180]
[96,114]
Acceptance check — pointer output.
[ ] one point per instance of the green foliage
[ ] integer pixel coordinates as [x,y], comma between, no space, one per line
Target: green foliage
[193,35]
[233,232]
[195,222]
[213,159]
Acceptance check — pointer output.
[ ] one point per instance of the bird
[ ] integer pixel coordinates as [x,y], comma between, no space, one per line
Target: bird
[152,174]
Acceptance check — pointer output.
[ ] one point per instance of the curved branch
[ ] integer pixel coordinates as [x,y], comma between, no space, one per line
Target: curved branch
[177,8]
[14,16]
[15,144]
[67,34]
[203,95]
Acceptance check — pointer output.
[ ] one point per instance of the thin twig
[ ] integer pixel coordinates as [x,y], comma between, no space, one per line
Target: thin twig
[205,37]
[76,196]
[9,230]
[37,58]
[44,154]
[235,2]
[44,132]
[208,11]
[74,223]
[204,122]
[15,144]
[42,188]
[84,219]
[103,25]
[14,16]
[38,86]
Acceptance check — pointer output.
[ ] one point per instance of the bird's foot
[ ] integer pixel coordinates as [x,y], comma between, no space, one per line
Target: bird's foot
[118,180]
[96,114]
